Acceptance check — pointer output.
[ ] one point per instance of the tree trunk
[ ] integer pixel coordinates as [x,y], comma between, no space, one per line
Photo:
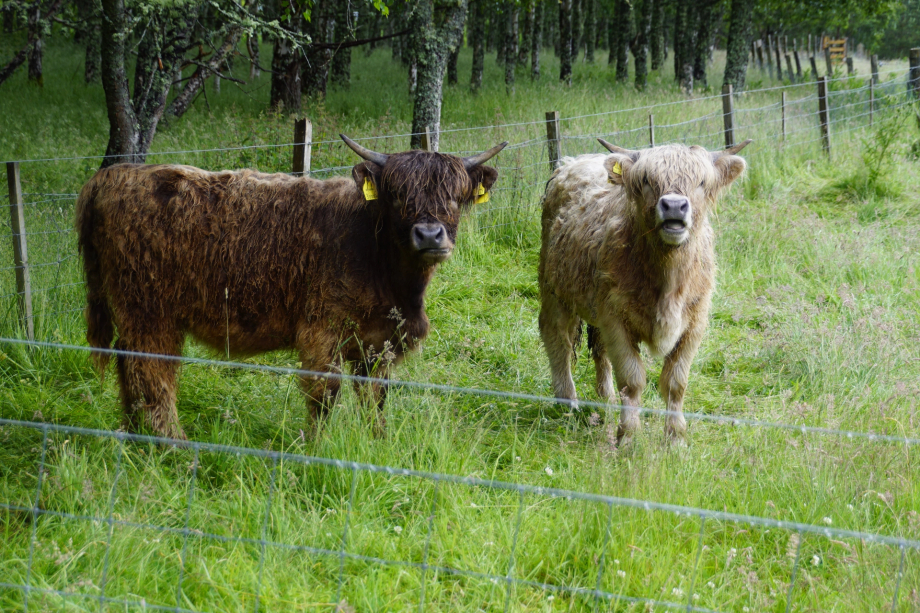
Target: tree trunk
[526,33]
[590,29]
[316,62]
[565,41]
[740,29]
[704,29]
[35,53]
[640,45]
[622,25]
[511,43]
[252,47]
[537,39]
[434,40]
[344,28]
[452,66]
[286,78]
[656,34]
[577,28]
[182,102]
[477,34]
[684,42]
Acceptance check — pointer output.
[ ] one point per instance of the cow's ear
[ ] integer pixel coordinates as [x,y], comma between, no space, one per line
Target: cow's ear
[617,165]
[367,178]
[482,179]
[729,168]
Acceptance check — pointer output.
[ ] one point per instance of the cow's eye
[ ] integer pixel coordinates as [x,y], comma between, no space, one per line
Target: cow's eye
[645,181]
[702,183]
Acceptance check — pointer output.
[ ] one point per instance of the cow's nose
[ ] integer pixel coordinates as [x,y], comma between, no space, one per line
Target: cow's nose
[428,236]
[673,206]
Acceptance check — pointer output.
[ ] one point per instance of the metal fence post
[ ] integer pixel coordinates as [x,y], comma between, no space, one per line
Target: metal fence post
[20,253]
[782,107]
[303,139]
[553,143]
[728,112]
[873,61]
[822,114]
[651,130]
[913,86]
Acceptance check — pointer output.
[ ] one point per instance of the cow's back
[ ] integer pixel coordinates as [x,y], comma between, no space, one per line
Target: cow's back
[217,250]
[582,218]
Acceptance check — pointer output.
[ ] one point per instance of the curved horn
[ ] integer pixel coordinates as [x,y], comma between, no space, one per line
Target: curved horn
[614,149]
[731,150]
[474,161]
[371,156]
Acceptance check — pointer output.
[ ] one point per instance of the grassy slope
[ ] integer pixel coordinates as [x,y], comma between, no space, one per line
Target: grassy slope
[814,321]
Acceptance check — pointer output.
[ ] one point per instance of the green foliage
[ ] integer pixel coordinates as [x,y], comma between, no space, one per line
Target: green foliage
[813,323]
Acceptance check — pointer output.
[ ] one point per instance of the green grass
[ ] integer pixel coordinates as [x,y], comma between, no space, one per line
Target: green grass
[814,322]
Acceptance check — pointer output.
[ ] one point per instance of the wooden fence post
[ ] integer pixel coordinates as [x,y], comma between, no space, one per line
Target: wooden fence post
[871,100]
[425,139]
[873,61]
[822,114]
[779,61]
[798,63]
[20,252]
[913,86]
[789,67]
[728,115]
[827,60]
[760,54]
[850,70]
[303,145]
[553,142]
[651,130]
[782,107]
[814,68]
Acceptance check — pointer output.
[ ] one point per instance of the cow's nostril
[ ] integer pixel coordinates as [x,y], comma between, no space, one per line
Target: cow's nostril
[683,207]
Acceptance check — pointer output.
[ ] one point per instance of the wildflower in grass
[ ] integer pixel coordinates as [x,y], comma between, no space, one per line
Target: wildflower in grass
[711,585]
[850,507]
[815,560]
[696,597]
[746,609]
[397,529]
[677,592]
[617,562]
[549,471]
[621,574]
[827,520]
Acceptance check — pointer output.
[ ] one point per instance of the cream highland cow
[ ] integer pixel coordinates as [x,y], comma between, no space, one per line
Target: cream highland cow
[628,248]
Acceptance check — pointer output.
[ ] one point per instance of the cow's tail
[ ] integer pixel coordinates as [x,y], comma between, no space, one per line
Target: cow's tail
[100,329]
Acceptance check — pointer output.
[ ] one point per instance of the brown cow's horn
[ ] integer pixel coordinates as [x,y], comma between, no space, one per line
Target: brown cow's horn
[634,155]
[731,150]
[371,156]
[474,161]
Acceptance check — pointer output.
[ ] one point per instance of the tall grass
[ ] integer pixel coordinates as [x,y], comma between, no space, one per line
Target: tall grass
[814,322]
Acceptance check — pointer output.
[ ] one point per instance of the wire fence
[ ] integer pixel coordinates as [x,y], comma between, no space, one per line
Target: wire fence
[321,516]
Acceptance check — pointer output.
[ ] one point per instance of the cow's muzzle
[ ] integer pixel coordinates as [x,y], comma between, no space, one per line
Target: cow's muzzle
[431,242]
[675,216]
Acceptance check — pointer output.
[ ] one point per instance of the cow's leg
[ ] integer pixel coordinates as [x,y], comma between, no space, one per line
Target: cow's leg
[603,370]
[558,329]
[318,354]
[630,376]
[673,383]
[373,393]
[148,385]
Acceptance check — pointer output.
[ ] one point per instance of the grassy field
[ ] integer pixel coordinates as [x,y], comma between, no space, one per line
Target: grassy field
[815,322]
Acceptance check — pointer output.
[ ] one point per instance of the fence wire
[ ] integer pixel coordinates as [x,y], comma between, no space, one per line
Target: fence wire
[343,541]
[277,477]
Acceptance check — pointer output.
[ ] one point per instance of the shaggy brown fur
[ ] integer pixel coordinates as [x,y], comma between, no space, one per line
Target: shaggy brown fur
[608,259]
[251,262]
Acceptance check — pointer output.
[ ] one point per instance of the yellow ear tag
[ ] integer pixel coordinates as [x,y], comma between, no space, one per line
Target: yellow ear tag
[370,190]
[481,195]
[617,169]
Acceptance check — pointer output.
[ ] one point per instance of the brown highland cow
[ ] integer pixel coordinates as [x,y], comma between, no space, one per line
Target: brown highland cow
[248,262]
[628,248]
